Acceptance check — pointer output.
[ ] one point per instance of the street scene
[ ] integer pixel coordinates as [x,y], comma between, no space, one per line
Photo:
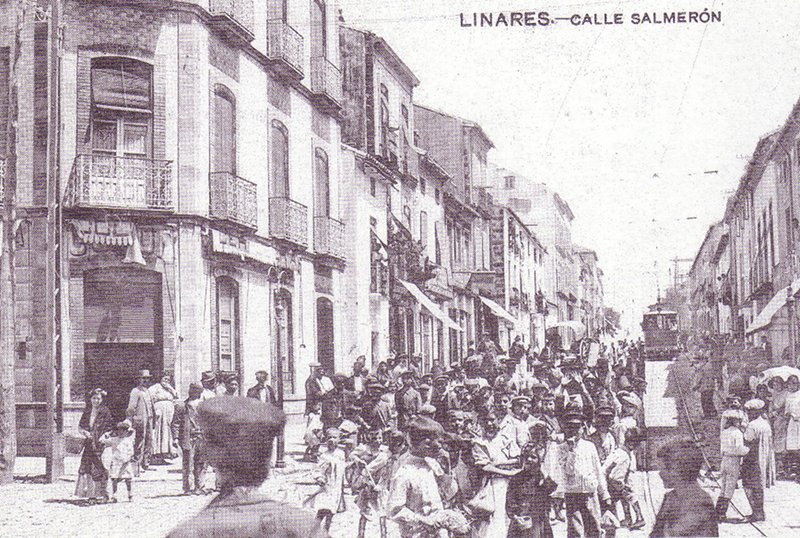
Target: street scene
[347,268]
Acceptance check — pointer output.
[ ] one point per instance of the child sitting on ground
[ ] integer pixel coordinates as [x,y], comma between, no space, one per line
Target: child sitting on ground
[118,456]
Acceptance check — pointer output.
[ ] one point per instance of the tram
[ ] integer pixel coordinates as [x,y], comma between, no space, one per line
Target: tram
[660,328]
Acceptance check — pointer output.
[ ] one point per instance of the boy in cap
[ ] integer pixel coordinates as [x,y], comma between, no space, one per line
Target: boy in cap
[687,510]
[604,441]
[731,449]
[758,465]
[414,492]
[239,434]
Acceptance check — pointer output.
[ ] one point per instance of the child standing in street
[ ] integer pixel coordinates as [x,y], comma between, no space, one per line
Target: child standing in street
[118,456]
[330,475]
[618,467]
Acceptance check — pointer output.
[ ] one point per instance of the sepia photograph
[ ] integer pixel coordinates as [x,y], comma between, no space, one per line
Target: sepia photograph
[416,269]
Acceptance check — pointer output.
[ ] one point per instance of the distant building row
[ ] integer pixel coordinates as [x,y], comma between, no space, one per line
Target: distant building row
[745,279]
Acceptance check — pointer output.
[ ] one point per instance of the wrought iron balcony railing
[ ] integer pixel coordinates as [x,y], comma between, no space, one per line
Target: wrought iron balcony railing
[120,182]
[288,221]
[326,80]
[233,199]
[329,237]
[233,16]
[285,45]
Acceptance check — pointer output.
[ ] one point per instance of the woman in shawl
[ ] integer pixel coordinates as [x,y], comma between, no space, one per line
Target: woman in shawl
[92,475]
[164,396]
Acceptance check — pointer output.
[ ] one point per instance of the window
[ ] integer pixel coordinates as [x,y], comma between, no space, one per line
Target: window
[437,234]
[404,114]
[227,323]
[789,230]
[278,10]
[437,195]
[223,156]
[509,182]
[385,141]
[319,30]
[373,188]
[122,107]
[280,160]
[785,171]
[423,228]
[422,185]
[407,217]
[322,195]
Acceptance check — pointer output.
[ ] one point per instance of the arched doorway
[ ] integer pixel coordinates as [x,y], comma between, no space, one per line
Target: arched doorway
[122,330]
[325,335]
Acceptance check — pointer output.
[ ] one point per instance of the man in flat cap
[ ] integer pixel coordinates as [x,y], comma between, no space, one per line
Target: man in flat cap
[407,400]
[514,426]
[414,496]
[262,390]
[238,443]
[758,465]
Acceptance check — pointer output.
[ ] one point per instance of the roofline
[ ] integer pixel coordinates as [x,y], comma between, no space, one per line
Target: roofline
[393,57]
[464,122]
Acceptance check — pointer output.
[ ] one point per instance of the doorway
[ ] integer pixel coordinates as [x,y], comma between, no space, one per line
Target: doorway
[325,334]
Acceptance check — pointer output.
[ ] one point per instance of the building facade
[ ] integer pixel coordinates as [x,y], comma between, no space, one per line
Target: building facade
[198,163]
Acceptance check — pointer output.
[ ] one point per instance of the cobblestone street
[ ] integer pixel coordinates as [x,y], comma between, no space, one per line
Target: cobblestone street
[159,502]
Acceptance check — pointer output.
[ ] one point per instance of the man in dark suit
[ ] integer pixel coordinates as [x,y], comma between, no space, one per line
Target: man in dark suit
[261,390]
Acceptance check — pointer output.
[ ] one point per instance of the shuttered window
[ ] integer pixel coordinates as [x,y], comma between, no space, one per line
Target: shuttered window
[224,130]
[319,31]
[227,300]
[122,83]
[322,196]
[280,160]
[121,305]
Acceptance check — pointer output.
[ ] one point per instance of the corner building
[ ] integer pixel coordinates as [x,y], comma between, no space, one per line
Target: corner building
[198,169]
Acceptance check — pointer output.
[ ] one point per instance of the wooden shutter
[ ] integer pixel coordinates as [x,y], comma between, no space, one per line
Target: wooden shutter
[121,305]
[224,153]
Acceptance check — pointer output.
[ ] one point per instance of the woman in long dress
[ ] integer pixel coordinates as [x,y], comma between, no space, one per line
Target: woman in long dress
[780,422]
[92,475]
[793,430]
[164,396]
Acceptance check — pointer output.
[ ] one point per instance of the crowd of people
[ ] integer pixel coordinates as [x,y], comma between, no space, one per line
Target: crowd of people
[498,445]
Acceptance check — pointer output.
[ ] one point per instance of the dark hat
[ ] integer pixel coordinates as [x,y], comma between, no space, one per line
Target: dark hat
[474,359]
[538,385]
[240,423]
[195,387]
[441,377]
[144,374]
[375,385]
[407,373]
[208,376]
[262,372]
[509,360]
[548,396]
[573,417]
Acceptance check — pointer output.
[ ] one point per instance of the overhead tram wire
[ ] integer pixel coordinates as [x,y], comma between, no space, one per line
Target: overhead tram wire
[685,89]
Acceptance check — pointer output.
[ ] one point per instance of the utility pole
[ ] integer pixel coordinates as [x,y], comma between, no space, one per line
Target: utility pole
[54,456]
[8,406]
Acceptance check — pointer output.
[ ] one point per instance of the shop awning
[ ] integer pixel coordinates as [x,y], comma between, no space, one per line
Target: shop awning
[432,307]
[499,311]
[764,318]
[575,325]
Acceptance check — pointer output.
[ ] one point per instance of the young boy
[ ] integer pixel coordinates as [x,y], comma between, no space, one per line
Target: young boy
[686,510]
[368,461]
[618,467]
[731,449]
[329,499]
[313,435]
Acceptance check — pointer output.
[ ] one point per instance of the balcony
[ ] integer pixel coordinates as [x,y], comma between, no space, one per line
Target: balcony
[326,83]
[107,181]
[233,199]
[234,18]
[329,237]
[285,49]
[288,221]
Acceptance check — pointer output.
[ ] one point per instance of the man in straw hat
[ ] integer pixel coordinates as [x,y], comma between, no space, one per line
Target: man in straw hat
[238,443]
[140,411]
